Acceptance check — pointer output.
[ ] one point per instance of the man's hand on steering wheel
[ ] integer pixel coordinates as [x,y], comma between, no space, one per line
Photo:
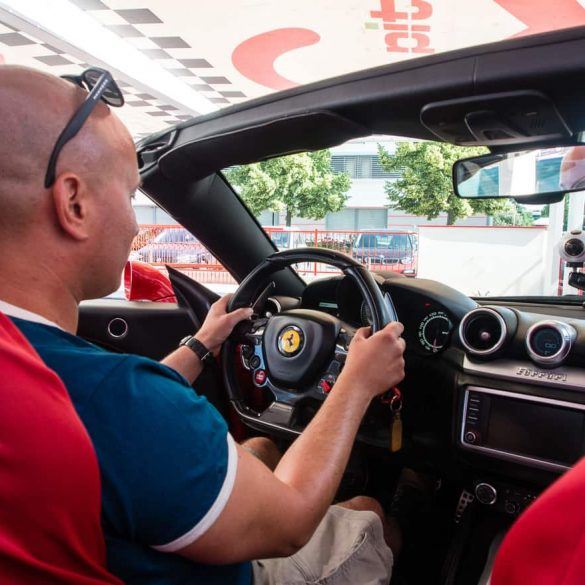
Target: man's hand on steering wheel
[219,324]
[375,362]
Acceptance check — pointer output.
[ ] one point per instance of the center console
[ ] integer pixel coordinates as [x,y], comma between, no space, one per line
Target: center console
[508,354]
[537,431]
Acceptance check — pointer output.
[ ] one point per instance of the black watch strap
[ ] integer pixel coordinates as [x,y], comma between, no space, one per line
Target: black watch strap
[197,348]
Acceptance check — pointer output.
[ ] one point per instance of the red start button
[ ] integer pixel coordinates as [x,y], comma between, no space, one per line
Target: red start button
[325,386]
[260,377]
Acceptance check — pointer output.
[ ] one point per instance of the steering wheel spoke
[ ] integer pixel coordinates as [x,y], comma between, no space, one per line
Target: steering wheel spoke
[344,337]
[250,331]
[281,411]
[279,414]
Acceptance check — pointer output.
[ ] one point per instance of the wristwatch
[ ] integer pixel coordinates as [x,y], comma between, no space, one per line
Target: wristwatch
[198,349]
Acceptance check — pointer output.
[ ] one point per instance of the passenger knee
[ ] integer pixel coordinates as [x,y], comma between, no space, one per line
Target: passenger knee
[264,449]
[365,504]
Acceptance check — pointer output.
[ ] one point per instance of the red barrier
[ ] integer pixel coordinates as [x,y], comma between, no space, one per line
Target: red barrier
[389,249]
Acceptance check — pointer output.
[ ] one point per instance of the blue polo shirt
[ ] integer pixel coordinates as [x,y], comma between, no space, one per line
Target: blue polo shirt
[167,461]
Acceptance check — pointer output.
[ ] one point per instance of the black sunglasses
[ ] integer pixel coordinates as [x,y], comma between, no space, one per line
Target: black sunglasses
[101,86]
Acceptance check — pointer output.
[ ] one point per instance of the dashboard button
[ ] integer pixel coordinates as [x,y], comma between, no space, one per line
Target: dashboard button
[254,362]
[470,437]
[259,377]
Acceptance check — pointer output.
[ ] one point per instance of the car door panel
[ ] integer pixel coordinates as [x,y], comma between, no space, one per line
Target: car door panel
[149,329]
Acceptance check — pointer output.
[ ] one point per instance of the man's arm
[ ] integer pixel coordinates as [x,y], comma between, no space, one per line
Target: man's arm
[215,330]
[274,514]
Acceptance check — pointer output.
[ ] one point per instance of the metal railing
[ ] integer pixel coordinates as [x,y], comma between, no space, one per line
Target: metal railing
[388,249]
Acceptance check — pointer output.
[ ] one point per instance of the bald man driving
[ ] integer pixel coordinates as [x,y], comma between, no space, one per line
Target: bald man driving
[182,502]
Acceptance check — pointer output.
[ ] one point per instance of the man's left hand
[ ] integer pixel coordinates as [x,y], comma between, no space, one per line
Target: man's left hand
[219,324]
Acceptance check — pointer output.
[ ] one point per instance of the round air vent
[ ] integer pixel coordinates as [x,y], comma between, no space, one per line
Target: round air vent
[482,331]
[549,342]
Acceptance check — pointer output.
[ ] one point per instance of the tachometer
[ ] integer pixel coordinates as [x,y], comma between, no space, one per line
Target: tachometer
[434,331]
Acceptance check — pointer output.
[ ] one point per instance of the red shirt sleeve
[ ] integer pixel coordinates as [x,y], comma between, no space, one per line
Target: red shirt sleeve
[50,530]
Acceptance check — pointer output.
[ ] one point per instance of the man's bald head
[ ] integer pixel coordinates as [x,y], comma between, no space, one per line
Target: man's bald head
[34,109]
[83,225]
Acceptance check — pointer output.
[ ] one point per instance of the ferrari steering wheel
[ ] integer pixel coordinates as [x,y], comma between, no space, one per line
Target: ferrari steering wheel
[296,354]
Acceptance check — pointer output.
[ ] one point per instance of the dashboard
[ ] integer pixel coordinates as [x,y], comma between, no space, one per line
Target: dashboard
[492,390]
[429,314]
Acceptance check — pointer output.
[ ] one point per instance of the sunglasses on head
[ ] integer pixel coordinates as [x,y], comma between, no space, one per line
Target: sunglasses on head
[101,86]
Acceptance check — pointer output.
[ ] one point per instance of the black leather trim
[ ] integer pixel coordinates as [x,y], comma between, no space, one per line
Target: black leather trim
[192,295]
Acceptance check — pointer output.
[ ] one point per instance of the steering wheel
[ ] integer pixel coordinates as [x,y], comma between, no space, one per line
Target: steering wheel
[296,354]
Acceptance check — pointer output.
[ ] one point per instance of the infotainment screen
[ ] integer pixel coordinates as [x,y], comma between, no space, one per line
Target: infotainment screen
[535,429]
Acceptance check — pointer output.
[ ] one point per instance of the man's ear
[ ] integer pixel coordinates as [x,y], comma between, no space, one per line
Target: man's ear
[71,202]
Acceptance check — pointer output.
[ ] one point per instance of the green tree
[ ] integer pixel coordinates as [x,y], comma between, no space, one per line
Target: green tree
[517,215]
[425,186]
[301,185]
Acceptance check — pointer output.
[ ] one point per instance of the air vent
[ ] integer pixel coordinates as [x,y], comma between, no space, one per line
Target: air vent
[549,342]
[482,331]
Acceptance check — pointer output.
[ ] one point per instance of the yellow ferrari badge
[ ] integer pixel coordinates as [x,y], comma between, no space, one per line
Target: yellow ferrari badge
[290,341]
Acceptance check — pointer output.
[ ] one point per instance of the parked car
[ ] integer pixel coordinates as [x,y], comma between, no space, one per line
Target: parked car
[395,249]
[173,246]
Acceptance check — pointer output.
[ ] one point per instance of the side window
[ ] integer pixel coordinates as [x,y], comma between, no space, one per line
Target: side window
[161,242]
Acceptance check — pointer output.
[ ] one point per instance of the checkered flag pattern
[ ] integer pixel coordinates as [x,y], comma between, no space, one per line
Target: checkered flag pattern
[143,29]
[143,113]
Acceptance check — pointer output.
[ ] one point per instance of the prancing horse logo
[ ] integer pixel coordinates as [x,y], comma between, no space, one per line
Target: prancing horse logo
[290,341]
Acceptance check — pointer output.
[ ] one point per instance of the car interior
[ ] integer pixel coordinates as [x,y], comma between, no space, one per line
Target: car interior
[474,366]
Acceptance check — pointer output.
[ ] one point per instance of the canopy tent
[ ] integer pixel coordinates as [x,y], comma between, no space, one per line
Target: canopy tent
[178,58]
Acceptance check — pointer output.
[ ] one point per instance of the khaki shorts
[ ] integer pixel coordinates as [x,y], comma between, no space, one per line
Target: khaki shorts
[347,548]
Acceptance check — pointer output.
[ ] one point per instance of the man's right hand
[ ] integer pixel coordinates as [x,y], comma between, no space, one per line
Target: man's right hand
[375,362]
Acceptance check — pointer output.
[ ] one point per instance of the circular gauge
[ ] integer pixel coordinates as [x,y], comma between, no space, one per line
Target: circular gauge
[366,315]
[434,331]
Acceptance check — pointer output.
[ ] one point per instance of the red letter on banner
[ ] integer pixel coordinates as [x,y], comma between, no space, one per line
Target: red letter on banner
[424,9]
[388,12]
[422,43]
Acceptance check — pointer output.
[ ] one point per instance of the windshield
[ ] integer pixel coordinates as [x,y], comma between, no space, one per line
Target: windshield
[389,203]
[176,60]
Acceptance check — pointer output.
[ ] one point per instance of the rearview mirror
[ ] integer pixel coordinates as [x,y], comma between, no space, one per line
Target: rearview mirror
[532,175]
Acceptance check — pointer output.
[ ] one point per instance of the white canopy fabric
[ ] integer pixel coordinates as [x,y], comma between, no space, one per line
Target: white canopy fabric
[181,58]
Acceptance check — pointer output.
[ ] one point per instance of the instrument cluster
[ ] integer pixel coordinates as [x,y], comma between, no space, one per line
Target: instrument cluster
[428,325]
